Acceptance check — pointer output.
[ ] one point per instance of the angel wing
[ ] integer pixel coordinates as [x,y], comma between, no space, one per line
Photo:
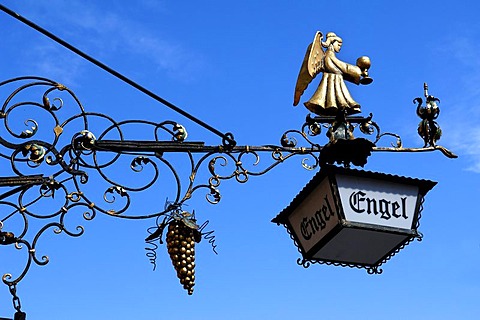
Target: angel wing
[311,66]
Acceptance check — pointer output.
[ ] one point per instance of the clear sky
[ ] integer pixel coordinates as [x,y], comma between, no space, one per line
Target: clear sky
[234,64]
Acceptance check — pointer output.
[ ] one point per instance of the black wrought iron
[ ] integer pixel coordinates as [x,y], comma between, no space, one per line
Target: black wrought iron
[428,128]
[54,156]
[57,165]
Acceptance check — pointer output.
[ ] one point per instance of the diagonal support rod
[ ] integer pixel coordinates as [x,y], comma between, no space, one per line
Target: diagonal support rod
[227,137]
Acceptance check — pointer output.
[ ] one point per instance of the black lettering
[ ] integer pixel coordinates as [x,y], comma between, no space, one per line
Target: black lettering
[404,208]
[311,225]
[304,230]
[384,205]
[355,199]
[319,218]
[372,203]
[330,210]
[395,207]
[314,225]
[360,203]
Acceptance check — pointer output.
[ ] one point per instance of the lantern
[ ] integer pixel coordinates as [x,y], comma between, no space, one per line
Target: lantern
[353,217]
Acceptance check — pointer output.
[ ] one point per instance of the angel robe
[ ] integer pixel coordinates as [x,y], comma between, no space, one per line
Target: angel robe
[332,94]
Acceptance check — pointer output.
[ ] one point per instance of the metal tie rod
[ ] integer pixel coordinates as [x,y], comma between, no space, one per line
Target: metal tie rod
[226,137]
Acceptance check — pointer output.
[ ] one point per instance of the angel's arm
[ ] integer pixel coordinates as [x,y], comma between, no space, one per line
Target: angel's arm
[350,72]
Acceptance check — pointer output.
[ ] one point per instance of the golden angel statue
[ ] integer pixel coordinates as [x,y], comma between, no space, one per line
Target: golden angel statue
[332,95]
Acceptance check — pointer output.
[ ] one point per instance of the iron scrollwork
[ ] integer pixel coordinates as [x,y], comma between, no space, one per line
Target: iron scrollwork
[52,169]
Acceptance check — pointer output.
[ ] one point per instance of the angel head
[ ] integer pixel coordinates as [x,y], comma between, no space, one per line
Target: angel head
[332,41]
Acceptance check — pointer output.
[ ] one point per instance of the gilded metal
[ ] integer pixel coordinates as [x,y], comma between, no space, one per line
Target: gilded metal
[331,96]
[334,106]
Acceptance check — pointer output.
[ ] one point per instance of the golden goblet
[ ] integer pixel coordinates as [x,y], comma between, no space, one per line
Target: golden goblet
[364,64]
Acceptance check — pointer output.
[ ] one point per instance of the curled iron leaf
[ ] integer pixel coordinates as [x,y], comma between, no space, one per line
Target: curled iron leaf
[288,142]
[29,132]
[212,163]
[314,129]
[138,162]
[84,140]
[114,189]
[46,102]
[191,223]
[35,153]
[180,133]
[307,166]
[54,106]
[214,196]
[83,178]
[399,142]
[366,127]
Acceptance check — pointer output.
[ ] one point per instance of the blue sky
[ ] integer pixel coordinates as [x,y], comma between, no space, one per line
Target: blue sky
[234,65]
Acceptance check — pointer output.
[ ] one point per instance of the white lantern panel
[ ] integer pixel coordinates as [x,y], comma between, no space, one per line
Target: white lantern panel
[377,202]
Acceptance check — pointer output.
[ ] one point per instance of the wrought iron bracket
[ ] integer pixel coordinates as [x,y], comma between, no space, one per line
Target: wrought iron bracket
[49,166]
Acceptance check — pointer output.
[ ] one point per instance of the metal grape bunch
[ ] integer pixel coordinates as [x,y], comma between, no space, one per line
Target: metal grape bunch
[181,237]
